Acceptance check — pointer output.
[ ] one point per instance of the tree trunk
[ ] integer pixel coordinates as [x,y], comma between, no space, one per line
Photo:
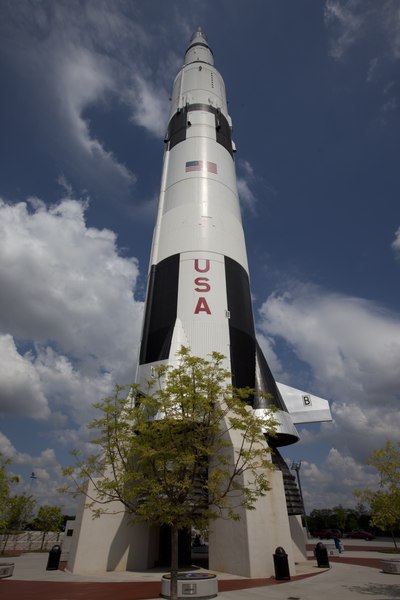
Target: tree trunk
[7,535]
[393,538]
[174,563]
[43,538]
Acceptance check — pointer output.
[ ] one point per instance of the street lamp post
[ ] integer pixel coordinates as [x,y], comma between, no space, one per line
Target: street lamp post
[22,515]
[32,478]
[296,466]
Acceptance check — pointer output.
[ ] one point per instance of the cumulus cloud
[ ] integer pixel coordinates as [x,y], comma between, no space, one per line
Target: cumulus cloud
[148,105]
[83,79]
[322,480]
[267,345]
[347,20]
[342,338]
[38,476]
[396,243]
[6,447]
[78,61]
[69,322]
[20,386]
[245,180]
[352,349]
[246,196]
[350,21]
[376,29]
[391,24]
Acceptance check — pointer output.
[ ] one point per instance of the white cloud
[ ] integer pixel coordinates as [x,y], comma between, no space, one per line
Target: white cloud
[70,325]
[335,479]
[39,476]
[346,21]
[149,105]
[83,79]
[72,388]
[20,387]
[246,196]
[244,183]
[79,61]
[247,180]
[391,25]
[374,29]
[396,243]
[247,168]
[6,447]
[267,345]
[350,21]
[352,349]
[347,341]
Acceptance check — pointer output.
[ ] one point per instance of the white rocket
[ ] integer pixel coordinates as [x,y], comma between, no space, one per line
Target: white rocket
[198,292]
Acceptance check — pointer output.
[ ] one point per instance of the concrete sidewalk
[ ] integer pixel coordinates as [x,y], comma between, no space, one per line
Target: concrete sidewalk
[341,582]
[355,574]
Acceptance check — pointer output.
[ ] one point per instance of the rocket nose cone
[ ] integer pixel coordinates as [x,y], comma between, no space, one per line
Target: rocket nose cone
[198,49]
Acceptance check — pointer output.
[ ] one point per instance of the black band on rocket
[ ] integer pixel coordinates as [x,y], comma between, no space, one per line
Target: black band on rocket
[180,122]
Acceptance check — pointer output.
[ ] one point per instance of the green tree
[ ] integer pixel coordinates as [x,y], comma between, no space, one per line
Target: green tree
[167,456]
[362,514]
[351,521]
[385,502]
[18,511]
[320,518]
[340,517]
[6,482]
[49,518]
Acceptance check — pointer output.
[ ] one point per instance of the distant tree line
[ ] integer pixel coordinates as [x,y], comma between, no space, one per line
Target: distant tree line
[338,517]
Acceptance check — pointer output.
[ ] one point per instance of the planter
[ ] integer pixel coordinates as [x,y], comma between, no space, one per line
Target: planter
[191,585]
[391,565]
[6,570]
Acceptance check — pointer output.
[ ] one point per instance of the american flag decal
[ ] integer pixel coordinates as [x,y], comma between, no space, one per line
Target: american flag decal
[201,165]
[194,165]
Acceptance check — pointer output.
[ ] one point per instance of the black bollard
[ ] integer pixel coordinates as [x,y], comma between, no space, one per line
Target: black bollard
[54,558]
[321,554]
[281,564]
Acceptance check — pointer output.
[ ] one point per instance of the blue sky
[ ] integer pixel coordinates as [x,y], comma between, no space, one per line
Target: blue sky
[313,91]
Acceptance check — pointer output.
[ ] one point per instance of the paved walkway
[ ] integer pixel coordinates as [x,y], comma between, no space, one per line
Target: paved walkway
[355,574]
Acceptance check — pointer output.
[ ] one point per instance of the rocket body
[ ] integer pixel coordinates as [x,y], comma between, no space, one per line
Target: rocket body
[198,292]
[198,296]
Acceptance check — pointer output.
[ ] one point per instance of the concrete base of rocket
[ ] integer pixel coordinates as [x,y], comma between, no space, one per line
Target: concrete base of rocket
[109,543]
[244,548]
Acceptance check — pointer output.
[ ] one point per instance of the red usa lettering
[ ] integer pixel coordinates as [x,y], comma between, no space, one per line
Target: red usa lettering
[197,266]
[202,306]
[202,284]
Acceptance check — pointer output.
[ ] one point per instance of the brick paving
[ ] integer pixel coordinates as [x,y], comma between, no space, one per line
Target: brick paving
[145,590]
[135,590]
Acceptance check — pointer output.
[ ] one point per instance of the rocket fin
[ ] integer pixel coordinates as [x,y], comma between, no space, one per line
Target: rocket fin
[304,407]
[286,432]
[179,339]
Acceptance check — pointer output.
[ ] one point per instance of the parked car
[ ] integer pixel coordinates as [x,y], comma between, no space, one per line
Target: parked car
[359,534]
[327,534]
